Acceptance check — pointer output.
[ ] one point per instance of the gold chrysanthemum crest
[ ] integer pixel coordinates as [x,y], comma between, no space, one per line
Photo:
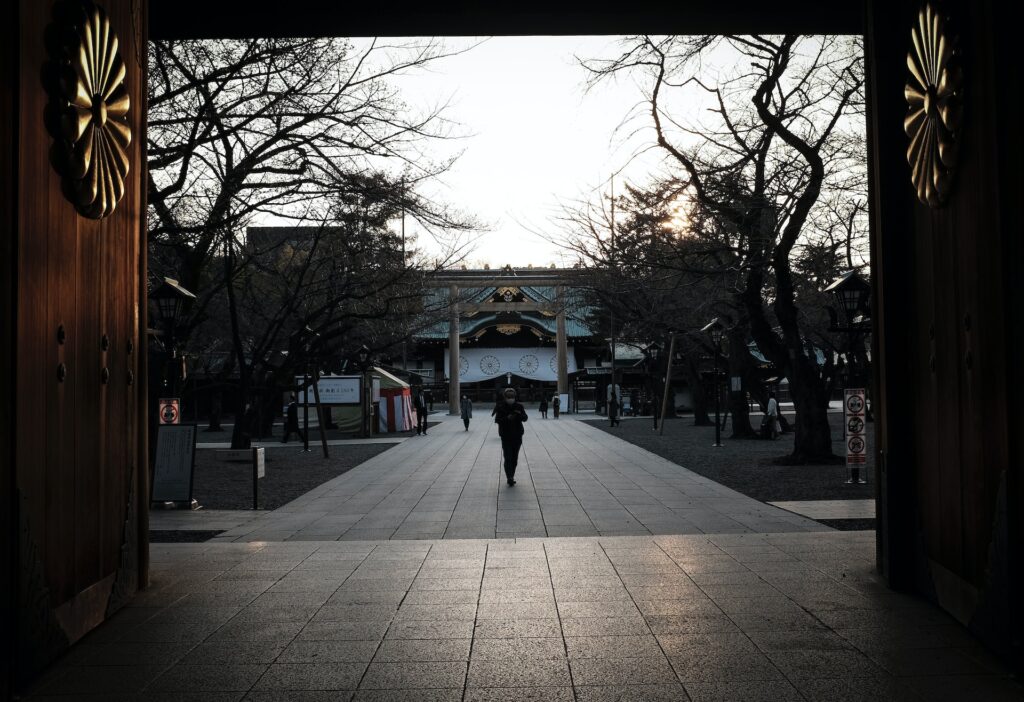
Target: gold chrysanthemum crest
[87,114]
[934,94]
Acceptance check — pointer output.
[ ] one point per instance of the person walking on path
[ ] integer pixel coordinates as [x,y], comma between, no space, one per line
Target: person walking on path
[291,422]
[556,404]
[543,407]
[613,409]
[467,410]
[420,403]
[772,417]
[509,416]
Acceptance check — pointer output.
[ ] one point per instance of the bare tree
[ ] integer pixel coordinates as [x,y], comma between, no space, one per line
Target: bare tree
[310,133]
[272,127]
[656,282]
[781,130]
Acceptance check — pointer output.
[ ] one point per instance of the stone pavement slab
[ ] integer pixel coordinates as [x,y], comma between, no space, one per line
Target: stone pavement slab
[367,620]
[573,480]
[830,509]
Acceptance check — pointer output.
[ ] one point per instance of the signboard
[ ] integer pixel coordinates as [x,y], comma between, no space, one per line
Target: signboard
[736,383]
[169,411]
[259,458]
[375,385]
[855,427]
[175,463]
[334,390]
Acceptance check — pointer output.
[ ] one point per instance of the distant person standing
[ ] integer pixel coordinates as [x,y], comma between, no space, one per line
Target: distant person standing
[291,422]
[543,407]
[556,404]
[466,405]
[429,395]
[420,403]
[772,417]
[509,415]
[613,411]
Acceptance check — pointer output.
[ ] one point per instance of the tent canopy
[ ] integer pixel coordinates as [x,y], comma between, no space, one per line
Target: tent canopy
[387,380]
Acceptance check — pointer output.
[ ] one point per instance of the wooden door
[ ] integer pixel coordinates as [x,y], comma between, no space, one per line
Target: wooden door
[77,360]
[947,328]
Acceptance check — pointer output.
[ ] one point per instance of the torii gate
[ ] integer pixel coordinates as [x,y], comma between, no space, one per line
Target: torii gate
[454,280]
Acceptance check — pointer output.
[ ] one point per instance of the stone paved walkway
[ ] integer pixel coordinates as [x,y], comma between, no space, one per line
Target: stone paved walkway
[573,480]
[703,618]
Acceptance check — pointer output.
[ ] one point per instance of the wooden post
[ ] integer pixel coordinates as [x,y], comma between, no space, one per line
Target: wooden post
[255,478]
[668,382]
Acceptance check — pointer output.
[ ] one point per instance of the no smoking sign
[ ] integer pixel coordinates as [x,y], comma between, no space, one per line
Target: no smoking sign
[169,410]
[856,441]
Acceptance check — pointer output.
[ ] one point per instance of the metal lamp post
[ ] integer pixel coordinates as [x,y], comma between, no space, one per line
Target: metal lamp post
[716,329]
[851,293]
[307,336]
[653,353]
[170,299]
[363,357]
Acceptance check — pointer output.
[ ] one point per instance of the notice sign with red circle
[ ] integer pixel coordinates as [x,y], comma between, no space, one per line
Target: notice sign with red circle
[856,440]
[169,411]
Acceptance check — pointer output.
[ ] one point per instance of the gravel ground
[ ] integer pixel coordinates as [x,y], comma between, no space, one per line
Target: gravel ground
[203,436]
[221,484]
[745,465]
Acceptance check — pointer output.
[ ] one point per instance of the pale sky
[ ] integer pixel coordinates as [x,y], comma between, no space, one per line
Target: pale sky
[535,138]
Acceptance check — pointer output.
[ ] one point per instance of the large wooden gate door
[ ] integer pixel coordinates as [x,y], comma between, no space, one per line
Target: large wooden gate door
[78,337]
[946,267]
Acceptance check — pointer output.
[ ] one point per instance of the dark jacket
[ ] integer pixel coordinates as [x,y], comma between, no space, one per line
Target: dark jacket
[544,404]
[509,419]
[419,401]
[293,414]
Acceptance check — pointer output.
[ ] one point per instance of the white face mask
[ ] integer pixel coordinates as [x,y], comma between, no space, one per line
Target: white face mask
[510,400]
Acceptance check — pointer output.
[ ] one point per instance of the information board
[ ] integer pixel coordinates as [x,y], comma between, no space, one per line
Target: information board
[334,390]
[259,459]
[175,463]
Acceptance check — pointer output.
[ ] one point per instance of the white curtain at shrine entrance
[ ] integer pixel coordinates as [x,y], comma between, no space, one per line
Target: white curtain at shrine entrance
[532,363]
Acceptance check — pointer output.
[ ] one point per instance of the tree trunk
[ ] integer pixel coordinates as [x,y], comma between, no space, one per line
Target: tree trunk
[700,394]
[241,436]
[737,365]
[215,409]
[812,442]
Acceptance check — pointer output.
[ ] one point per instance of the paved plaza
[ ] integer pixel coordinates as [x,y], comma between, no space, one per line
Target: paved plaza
[572,480]
[796,616]
[607,574]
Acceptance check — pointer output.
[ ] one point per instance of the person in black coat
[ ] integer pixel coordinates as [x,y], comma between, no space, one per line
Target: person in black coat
[419,402]
[291,422]
[509,416]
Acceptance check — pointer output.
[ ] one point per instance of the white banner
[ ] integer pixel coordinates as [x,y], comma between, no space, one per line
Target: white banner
[535,364]
[334,390]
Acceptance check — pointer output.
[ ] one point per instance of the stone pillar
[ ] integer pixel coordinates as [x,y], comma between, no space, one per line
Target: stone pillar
[453,350]
[561,346]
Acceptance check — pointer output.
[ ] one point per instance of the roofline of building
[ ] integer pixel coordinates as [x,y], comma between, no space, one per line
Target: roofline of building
[495,277]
